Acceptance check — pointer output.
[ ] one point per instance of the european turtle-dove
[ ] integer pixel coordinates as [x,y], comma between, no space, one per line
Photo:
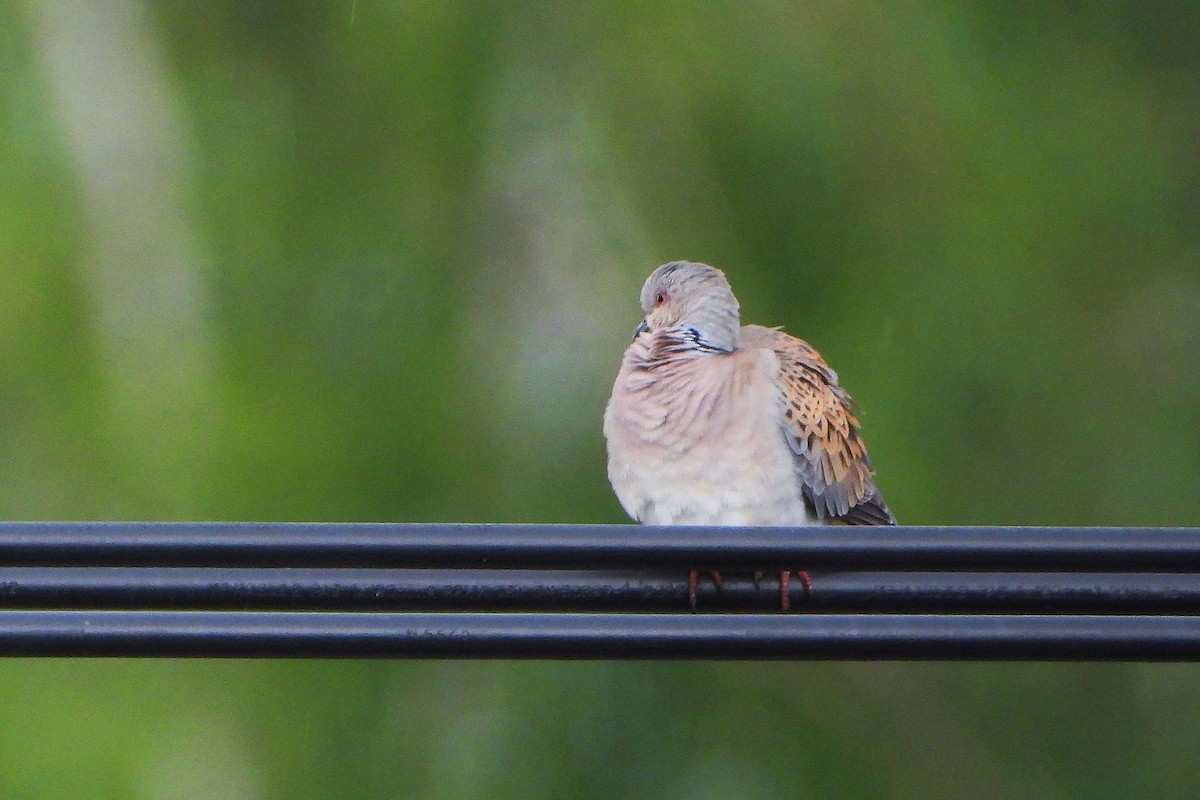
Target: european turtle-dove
[715,423]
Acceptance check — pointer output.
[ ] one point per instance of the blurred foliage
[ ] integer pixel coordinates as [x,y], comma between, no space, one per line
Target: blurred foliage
[365,260]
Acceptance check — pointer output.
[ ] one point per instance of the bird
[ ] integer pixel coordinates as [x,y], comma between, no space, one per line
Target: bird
[712,422]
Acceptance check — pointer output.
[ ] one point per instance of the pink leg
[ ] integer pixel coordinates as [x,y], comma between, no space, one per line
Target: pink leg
[807,581]
[694,584]
[785,583]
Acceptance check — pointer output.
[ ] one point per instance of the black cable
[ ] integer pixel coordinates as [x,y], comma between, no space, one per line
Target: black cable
[384,590]
[557,590]
[597,546]
[589,636]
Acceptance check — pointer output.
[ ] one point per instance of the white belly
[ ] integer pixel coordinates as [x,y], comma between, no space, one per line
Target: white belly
[725,491]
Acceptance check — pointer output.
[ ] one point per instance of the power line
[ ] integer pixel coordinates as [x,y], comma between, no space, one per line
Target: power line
[596,591]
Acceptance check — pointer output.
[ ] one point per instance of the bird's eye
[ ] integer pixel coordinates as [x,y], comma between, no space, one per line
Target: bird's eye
[660,298]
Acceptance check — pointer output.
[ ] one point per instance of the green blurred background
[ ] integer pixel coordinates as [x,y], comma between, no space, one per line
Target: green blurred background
[365,260]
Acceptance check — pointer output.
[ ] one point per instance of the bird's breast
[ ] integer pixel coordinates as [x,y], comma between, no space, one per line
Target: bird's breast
[701,443]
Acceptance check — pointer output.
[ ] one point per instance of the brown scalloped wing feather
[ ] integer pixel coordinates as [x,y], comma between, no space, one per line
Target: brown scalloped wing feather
[835,471]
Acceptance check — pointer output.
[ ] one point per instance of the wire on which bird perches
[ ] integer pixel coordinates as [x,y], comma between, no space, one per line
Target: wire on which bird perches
[481,546]
[397,590]
[356,589]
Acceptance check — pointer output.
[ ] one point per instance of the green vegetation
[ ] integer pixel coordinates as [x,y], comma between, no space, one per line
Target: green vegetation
[366,260]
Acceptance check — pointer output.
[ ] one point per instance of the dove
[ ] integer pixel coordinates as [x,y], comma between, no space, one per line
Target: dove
[714,423]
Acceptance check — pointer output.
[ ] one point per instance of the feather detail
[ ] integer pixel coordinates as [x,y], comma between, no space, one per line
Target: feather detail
[833,467]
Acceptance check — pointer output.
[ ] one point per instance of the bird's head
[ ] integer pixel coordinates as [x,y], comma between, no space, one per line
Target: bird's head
[694,301]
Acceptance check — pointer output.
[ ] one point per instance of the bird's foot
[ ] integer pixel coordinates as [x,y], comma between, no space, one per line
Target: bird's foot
[694,585]
[785,585]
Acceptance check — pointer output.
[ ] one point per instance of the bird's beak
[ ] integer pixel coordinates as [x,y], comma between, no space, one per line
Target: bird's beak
[640,329]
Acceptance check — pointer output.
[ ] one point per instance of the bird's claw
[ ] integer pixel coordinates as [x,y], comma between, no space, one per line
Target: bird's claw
[694,585]
[785,585]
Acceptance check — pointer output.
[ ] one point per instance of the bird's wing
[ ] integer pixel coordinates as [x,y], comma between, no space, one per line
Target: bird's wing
[835,472]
